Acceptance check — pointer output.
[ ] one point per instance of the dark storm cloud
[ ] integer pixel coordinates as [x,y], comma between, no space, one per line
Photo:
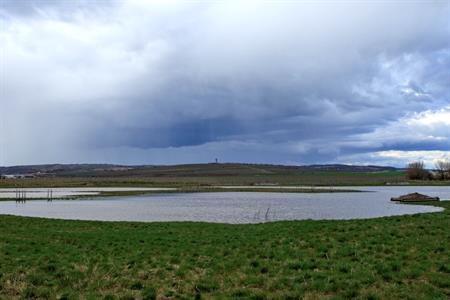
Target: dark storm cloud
[150,82]
[189,133]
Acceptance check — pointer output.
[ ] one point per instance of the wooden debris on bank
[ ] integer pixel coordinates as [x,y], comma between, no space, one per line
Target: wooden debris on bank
[414,197]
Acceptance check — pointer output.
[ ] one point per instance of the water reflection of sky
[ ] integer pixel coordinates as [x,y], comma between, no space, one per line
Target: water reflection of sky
[232,207]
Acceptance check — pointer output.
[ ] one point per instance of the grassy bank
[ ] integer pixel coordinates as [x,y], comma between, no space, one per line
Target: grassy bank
[405,257]
[194,189]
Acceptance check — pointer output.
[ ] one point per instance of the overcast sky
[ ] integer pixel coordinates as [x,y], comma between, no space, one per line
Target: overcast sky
[166,82]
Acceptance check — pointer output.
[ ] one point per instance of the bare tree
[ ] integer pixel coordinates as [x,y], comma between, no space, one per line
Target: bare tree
[443,169]
[416,170]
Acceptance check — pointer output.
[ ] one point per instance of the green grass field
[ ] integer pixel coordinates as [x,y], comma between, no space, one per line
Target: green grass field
[308,179]
[405,257]
[186,176]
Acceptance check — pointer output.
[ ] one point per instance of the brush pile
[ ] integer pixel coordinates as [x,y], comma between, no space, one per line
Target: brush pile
[415,197]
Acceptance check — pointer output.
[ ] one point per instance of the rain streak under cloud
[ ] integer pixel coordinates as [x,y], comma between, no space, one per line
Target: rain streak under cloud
[140,82]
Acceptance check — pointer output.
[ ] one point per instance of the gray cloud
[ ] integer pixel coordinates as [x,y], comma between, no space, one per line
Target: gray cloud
[261,81]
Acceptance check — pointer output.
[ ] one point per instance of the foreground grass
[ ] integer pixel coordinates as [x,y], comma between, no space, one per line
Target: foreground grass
[405,257]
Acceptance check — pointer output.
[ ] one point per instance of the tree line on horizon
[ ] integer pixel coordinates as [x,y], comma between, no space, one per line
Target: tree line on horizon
[417,171]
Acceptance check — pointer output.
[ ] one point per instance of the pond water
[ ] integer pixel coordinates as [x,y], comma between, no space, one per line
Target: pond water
[68,192]
[232,207]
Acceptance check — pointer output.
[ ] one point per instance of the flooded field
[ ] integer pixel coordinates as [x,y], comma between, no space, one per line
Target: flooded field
[231,207]
[68,192]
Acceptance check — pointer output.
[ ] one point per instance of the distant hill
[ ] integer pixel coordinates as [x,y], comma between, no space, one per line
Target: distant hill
[192,170]
[351,168]
[58,168]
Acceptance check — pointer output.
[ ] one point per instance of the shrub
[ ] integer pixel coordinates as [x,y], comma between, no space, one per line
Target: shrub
[416,171]
[443,169]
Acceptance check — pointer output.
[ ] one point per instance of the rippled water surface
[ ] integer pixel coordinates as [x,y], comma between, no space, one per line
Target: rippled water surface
[68,192]
[232,207]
